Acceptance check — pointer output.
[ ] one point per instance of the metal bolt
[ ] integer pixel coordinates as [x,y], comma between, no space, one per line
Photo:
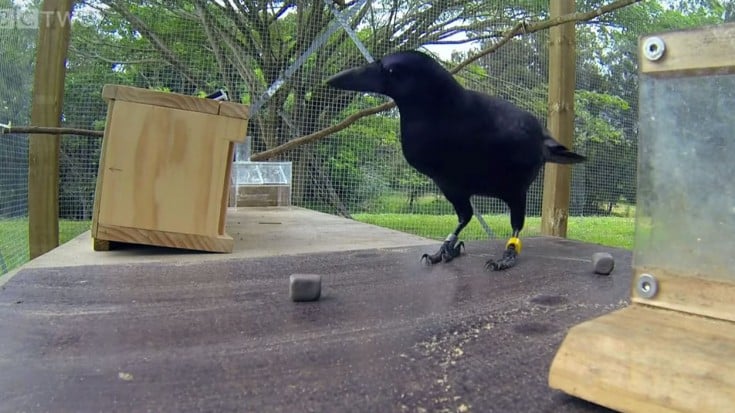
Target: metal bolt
[653,48]
[646,286]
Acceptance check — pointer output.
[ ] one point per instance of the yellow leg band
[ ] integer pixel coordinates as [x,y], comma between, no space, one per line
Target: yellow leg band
[516,242]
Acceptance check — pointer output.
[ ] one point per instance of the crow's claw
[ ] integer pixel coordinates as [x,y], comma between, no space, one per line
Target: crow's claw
[446,253]
[431,259]
[508,260]
[453,252]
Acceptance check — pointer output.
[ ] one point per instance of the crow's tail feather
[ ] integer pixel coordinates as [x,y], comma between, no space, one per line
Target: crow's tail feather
[558,153]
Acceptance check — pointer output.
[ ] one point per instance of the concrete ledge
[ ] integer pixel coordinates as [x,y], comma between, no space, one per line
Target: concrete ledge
[257,232]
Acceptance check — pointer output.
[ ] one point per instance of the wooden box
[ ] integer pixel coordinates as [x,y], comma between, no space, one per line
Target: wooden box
[164,169]
[673,348]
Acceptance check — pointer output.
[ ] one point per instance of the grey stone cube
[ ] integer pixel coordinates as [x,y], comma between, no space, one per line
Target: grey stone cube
[603,263]
[305,287]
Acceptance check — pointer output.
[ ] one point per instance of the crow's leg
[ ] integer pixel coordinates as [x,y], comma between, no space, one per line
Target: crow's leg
[513,246]
[450,248]
[510,255]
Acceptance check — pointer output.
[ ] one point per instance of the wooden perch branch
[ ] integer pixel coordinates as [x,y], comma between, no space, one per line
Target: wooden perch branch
[260,156]
[520,28]
[50,131]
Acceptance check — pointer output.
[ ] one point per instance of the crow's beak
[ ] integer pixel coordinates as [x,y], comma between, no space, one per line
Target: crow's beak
[366,78]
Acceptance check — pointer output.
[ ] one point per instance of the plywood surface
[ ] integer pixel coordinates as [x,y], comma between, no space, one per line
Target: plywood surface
[166,170]
[708,49]
[388,335]
[647,359]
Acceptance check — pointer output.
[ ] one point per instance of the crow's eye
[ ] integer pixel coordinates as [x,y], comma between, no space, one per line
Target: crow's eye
[394,72]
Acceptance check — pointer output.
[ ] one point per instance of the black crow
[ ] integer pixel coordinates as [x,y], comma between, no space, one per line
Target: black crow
[467,142]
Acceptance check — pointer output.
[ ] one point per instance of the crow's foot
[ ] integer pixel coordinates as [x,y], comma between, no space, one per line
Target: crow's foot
[510,256]
[447,252]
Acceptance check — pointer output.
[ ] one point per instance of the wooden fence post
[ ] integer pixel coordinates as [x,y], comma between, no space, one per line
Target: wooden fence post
[54,28]
[562,83]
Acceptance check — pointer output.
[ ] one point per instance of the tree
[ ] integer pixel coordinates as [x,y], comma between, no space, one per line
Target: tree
[607,105]
[86,74]
[245,46]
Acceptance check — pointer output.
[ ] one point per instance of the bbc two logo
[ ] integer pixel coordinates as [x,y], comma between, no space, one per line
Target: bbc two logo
[30,18]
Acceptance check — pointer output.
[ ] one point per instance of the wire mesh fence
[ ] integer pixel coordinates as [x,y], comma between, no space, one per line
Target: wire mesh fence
[275,57]
[17,53]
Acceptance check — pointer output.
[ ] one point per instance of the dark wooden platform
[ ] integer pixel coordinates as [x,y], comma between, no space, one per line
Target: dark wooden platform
[388,335]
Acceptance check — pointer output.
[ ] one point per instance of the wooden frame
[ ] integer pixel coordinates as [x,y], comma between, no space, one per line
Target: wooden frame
[674,351]
[164,169]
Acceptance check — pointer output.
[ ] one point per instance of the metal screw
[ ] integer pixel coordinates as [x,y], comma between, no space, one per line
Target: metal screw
[646,286]
[654,48]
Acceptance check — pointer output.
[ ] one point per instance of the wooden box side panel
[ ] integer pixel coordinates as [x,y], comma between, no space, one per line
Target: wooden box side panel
[165,169]
[100,170]
[225,189]
[220,243]
[644,359]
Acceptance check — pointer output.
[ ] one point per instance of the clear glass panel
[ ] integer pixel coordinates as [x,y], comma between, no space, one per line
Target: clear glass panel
[261,173]
[686,175]
[242,151]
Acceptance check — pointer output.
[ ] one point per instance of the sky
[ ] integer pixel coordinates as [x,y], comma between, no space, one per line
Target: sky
[444,51]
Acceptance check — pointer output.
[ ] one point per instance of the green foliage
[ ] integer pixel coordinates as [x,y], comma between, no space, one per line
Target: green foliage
[361,156]
[609,174]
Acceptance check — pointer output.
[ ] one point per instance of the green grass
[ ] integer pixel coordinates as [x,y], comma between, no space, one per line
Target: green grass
[14,239]
[610,231]
[434,204]
[398,203]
